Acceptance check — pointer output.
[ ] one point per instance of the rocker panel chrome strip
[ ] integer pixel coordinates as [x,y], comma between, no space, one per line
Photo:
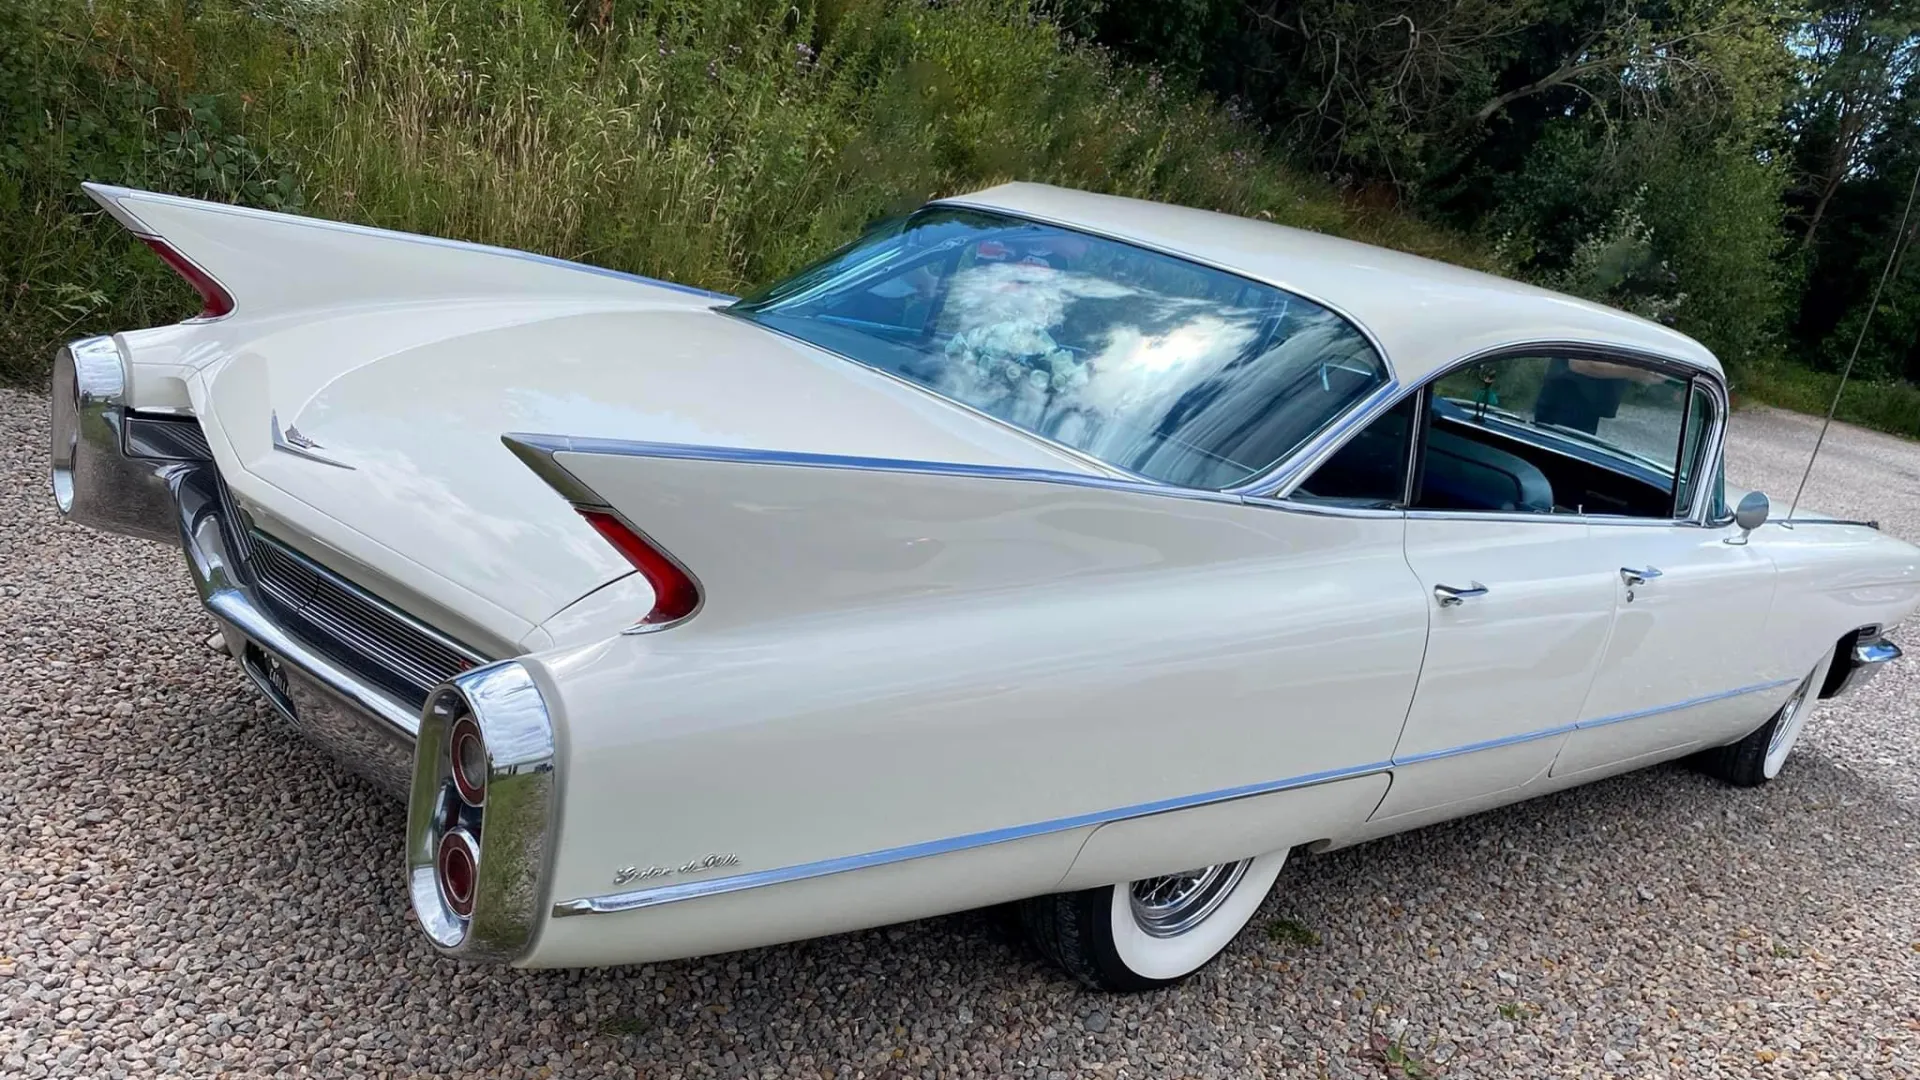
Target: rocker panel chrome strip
[634,901]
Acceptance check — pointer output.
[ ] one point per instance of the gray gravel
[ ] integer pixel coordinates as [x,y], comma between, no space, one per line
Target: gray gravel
[188,890]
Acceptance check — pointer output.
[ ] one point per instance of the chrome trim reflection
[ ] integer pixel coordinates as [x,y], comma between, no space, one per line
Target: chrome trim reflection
[288,440]
[94,482]
[1865,660]
[513,829]
[646,898]
[1583,725]
[538,452]
[227,593]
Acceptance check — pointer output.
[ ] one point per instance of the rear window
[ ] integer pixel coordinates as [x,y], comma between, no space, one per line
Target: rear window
[1165,368]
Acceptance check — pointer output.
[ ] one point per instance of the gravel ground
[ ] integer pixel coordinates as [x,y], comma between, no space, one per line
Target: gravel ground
[166,908]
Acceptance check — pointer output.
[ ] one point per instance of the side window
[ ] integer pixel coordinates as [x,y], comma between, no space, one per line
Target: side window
[1557,435]
[1717,508]
[1693,448]
[1371,469]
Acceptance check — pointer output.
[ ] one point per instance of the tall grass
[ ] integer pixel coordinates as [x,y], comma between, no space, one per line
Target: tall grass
[719,143]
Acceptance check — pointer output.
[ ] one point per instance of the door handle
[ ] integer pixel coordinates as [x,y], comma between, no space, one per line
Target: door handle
[1633,577]
[1448,596]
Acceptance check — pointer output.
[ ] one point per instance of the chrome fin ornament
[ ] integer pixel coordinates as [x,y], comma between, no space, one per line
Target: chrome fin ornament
[289,440]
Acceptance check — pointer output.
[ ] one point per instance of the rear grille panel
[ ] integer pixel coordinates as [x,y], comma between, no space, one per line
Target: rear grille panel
[338,618]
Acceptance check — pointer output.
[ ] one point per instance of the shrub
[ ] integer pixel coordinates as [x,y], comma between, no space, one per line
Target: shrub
[721,143]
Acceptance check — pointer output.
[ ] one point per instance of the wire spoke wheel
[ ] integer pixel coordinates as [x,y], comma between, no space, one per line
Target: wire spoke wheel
[1172,904]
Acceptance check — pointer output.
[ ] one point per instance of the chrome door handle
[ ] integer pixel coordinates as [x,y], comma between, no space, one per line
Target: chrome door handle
[1448,596]
[1633,577]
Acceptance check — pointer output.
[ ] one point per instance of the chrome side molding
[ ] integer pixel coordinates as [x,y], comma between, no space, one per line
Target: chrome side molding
[637,899]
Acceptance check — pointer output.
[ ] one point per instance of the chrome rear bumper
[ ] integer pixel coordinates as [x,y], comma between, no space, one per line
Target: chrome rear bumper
[150,477]
[94,482]
[367,729]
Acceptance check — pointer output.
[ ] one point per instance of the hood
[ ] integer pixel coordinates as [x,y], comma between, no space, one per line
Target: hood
[389,425]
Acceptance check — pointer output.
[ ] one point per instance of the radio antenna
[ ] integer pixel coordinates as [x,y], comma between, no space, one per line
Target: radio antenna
[1893,253]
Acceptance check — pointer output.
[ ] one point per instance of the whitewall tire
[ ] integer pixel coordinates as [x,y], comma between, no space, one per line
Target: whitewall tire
[1145,934]
[1761,755]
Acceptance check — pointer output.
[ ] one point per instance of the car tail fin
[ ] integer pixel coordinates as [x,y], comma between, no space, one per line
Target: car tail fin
[769,535]
[261,262]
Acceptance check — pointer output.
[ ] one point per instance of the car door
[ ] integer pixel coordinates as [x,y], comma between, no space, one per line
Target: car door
[1521,610]
[1685,660]
[1520,599]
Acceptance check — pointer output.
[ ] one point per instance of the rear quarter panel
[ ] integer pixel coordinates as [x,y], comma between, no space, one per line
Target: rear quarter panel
[1194,648]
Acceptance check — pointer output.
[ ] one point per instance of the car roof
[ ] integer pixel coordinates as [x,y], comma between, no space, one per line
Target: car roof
[1424,314]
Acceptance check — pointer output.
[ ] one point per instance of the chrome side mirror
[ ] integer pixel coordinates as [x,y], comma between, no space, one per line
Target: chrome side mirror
[1750,514]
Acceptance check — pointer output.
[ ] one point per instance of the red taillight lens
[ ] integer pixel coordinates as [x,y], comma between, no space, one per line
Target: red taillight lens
[675,593]
[457,863]
[468,758]
[215,301]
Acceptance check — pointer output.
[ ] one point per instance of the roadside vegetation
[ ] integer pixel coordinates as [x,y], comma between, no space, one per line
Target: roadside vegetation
[1719,165]
[720,143]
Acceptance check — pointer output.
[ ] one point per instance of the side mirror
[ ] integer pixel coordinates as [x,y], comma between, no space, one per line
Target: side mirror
[1751,513]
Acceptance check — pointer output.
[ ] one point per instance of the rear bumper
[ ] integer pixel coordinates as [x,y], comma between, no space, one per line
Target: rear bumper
[367,729]
[94,481]
[150,477]
[333,660]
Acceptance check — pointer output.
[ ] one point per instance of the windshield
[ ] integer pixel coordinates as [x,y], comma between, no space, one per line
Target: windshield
[1162,367]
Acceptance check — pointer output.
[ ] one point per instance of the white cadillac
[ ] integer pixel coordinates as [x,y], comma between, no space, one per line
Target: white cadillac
[1038,546]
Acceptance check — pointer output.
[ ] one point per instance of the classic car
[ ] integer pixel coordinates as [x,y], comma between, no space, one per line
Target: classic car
[1037,547]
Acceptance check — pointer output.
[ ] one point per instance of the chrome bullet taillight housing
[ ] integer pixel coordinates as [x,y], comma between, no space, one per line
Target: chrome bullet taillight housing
[479,813]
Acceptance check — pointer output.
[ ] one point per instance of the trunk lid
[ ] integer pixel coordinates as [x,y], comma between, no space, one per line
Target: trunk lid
[384,426]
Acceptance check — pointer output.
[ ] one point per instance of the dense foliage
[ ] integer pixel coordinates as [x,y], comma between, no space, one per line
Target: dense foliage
[1735,167]
[715,143]
[1732,167]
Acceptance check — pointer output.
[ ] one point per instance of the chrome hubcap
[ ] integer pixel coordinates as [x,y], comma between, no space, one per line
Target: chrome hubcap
[1175,903]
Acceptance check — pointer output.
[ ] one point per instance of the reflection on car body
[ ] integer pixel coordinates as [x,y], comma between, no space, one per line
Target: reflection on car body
[1037,546]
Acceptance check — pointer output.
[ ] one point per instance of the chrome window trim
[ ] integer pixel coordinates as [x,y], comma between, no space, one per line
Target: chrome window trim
[1287,473]
[1260,478]
[1312,457]
[638,899]
[1320,509]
